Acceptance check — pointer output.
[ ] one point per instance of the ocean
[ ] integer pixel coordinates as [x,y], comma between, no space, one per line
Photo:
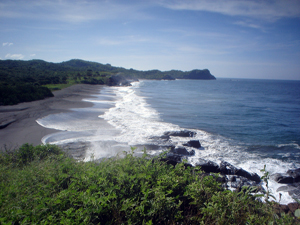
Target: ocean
[248,123]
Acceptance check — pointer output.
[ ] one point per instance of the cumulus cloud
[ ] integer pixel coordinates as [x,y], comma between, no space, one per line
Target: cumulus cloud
[14,56]
[31,55]
[7,44]
[269,9]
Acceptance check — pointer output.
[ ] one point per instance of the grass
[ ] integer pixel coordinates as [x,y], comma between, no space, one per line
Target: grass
[42,185]
[56,87]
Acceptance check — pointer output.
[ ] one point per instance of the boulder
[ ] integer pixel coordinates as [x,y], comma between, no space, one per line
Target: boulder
[182,133]
[172,159]
[182,151]
[228,169]
[295,192]
[283,178]
[208,166]
[238,182]
[193,143]
[295,174]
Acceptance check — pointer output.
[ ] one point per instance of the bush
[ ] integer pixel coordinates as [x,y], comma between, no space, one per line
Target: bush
[14,94]
[28,153]
[54,189]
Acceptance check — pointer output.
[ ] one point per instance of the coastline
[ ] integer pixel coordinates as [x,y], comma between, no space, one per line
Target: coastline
[18,122]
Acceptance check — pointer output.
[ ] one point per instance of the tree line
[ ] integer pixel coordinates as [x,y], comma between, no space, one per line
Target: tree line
[22,81]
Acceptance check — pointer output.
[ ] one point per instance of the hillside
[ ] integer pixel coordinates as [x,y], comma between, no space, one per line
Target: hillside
[22,81]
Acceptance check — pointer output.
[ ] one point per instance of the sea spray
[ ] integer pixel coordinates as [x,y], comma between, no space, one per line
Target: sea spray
[134,115]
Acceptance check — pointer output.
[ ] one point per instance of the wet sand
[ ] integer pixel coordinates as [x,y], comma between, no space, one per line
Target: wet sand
[18,122]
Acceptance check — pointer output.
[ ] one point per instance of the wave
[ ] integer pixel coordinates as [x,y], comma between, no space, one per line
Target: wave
[131,120]
[139,122]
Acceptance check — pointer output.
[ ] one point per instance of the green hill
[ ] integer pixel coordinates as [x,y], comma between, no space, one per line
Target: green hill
[31,80]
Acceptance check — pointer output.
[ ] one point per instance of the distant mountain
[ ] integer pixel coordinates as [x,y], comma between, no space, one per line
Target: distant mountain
[22,81]
[200,74]
[38,68]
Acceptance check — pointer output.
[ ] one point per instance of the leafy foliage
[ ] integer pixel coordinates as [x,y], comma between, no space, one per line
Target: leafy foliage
[43,186]
[13,94]
[30,76]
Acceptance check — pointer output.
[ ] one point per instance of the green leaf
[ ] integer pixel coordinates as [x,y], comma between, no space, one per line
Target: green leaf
[297,213]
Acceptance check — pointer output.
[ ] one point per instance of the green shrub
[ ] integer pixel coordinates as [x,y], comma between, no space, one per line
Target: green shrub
[28,153]
[51,188]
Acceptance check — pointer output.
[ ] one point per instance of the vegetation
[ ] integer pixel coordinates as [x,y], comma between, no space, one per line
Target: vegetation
[22,81]
[42,185]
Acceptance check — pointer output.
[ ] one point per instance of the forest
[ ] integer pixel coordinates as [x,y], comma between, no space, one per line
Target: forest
[23,81]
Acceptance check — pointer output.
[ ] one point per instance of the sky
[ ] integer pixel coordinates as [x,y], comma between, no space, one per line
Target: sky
[231,38]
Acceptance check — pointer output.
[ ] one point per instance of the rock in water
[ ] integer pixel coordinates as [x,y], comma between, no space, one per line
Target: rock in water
[182,151]
[282,178]
[193,143]
[182,133]
[295,174]
[118,80]
[208,166]
[228,169]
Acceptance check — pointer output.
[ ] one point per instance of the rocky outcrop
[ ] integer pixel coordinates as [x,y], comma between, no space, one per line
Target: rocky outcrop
[237,176]
[208,166]
[291,176]
[200,75]
[238,182]
[182,133]
[118,80]
[295,174]
[182,151]
[293,189]
[193,144]
[228,169]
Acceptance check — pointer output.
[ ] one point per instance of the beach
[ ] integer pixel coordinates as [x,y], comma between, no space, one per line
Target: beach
[18,122]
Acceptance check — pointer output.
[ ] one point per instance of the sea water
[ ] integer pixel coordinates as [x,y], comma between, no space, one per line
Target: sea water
[248,123]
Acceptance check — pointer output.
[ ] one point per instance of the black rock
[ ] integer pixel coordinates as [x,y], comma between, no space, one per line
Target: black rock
[208,166]
[295,174]
[172,159]
[118,80]
[295,192]
[193,143]
[228,169]
[250,176]
[283,178]
[182,133]
[182,151]
[200,74]
[238,182]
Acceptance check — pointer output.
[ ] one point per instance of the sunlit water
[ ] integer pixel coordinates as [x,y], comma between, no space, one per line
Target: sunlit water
[248,123]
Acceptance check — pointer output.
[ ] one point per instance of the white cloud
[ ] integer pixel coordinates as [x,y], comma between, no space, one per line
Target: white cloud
[268,10]
[250,24]
[31,55]
[14,56]
[7,44]
[73,11]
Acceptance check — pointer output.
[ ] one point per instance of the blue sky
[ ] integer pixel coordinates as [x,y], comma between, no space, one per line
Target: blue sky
[231,38]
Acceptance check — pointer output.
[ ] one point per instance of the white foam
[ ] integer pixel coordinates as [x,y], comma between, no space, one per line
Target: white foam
[135,118]
[134,121]
[294,145]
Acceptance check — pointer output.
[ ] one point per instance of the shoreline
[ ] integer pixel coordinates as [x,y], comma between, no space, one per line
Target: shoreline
[18,122]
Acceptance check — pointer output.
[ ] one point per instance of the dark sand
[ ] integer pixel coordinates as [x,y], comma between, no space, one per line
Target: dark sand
[18,122]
